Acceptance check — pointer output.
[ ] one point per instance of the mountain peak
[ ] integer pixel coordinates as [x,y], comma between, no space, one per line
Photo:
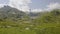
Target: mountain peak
[8,11]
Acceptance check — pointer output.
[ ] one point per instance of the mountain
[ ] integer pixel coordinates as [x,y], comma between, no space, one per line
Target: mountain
[9,12]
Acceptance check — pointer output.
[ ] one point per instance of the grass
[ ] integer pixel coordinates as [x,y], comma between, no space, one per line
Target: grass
[49,28]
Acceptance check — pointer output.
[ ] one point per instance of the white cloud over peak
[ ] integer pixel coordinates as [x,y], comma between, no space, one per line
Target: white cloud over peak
[1,5]
[19,4]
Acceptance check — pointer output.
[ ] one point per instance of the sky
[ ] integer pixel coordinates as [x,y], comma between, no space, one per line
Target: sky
[34,5]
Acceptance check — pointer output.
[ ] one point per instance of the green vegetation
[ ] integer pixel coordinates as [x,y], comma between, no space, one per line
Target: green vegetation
[21,23]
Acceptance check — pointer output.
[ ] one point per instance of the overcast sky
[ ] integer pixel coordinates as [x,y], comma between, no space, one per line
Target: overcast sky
[35,5]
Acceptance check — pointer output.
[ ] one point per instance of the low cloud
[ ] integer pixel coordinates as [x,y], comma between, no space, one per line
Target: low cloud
[37,10]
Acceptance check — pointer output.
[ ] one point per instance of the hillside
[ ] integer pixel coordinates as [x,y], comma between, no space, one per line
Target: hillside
[49,22]
[13,21]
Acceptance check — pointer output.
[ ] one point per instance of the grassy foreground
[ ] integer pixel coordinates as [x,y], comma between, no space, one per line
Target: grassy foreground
[42,29]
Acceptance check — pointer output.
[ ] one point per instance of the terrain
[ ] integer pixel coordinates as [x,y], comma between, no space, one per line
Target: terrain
[14,21]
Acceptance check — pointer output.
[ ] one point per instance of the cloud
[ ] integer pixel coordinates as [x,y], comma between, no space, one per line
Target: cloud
[24,5]
[2,5]
[19,4]
[37,10]
[52,6]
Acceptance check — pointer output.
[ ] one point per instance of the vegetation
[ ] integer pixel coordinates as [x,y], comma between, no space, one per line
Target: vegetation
[45,23]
